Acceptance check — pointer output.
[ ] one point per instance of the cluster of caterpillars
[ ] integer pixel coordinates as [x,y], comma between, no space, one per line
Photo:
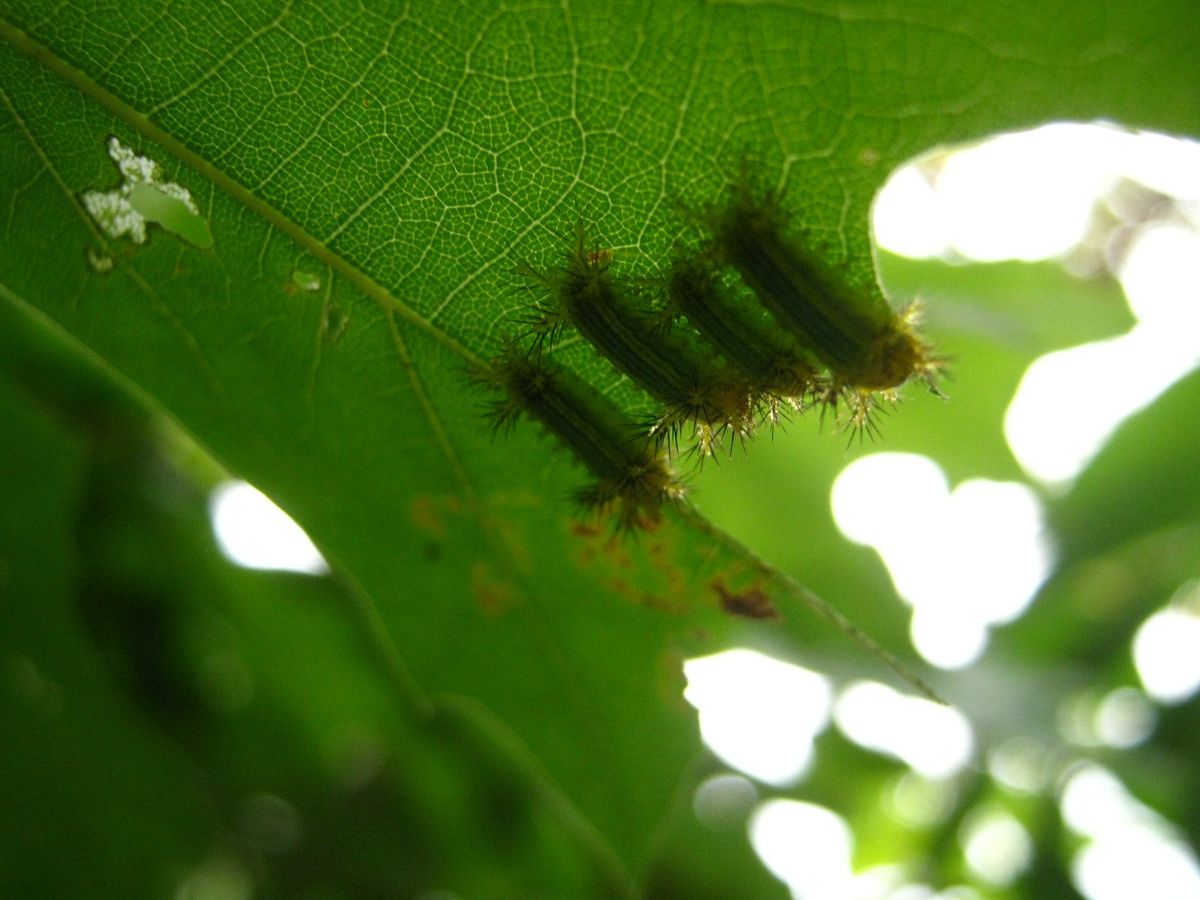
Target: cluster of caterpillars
[735,335]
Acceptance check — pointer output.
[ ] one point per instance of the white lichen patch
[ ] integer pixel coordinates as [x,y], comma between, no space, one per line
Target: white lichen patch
[123,211]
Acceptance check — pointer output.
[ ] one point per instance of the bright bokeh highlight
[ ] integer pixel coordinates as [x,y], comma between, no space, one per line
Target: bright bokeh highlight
[969,203]
[256,534]
[805,846]
[759,714]
[997,847]
[1165,652]
[1033,195]
[1130,850]
[933,740]
[1071,401]
[966,559]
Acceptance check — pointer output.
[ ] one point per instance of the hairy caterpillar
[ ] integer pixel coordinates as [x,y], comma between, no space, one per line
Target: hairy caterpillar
[774,367]
[672,368]
[633,478]
[868,348]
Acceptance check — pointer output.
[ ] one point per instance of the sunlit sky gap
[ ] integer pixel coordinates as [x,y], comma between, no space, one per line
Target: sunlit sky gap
[1026,196]
[1033,196]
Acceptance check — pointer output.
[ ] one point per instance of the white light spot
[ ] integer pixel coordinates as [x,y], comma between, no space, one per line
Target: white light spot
[724,801]
[1094,803]
[1028,195]
[1071,401]
[1164,651]
[1139,862]
[933,740]
[1161,273]
[921,801]
[997,847]
[907,217]
[966,560]
[758,714]
[1021,196]
[1021,763]
[950,638]
[1124,718]
[255,533]
[1165,164]
[878,882]
[805,846]
[1131,847]
[878,496]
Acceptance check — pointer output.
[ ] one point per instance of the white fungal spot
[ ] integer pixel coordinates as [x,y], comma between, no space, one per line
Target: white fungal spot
[143,197]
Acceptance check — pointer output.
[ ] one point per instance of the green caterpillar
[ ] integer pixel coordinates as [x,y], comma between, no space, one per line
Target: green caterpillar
[633,478]
[868,348]
[694,390]
[776,369]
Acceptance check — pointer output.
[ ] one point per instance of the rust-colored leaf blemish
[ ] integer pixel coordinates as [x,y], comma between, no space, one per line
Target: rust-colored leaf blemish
[752,603]
[586,529]
[493,594]
[426,516]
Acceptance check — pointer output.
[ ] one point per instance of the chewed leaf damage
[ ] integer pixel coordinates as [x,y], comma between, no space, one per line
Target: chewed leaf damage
[143,198]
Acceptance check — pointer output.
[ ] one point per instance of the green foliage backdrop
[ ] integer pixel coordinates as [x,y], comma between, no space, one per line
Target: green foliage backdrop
[486,698]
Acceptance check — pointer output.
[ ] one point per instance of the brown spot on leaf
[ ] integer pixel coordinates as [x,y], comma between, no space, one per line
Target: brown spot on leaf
[752,603]
[586,529]
[493,594]
[426,514]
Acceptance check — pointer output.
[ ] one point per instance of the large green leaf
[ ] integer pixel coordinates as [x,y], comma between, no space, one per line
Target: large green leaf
[368,178]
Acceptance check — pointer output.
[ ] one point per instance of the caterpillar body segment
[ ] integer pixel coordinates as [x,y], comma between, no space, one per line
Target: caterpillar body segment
[864,343]
[697,394]
[632,476]
[774,367]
